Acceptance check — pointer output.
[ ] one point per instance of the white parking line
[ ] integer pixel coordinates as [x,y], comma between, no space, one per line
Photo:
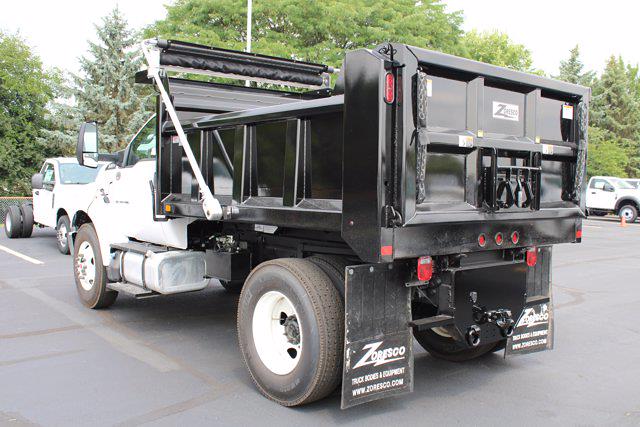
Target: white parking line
[22,256]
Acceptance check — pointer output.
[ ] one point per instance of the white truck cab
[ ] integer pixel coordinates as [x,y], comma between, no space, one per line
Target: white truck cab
[60,189]
[608,194]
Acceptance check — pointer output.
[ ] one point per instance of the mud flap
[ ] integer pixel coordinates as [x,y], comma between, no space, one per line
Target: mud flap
[378,354]
[534,328]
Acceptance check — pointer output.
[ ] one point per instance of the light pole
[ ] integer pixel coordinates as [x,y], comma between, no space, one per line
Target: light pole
[247,83]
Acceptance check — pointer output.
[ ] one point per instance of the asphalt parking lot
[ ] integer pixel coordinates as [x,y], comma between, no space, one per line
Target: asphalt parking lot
[175,360]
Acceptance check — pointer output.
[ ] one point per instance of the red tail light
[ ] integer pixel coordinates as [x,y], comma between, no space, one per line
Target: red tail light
[389,88]
[515,237]
[482,240]
[579,234]
[425,268]
[499,239]
[532,256]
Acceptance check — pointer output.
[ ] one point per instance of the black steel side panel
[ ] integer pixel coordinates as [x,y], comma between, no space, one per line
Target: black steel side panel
[378,356]
[364,124]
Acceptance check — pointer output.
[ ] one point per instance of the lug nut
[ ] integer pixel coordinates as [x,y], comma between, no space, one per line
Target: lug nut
[473,336]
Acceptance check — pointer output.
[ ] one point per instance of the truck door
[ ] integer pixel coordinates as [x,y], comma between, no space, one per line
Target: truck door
[601,194]
[43,198]
[129,190]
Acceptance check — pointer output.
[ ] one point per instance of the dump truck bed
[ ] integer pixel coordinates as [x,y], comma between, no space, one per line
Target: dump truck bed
[463,149]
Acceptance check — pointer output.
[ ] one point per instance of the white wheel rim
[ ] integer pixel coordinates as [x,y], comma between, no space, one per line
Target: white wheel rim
[86,265]
[626,213]
[7,223]
[62,235]
[277,334]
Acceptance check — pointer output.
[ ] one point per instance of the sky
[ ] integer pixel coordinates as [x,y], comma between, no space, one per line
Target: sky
[59,30]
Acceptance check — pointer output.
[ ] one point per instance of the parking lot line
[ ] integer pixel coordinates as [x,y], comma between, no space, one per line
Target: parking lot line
[22,256]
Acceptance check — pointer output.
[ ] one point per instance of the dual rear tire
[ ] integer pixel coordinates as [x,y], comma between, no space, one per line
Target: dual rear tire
[18,221]
[291,330]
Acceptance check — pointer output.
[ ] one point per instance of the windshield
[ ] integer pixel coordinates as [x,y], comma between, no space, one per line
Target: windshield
[621,184]
[72,173]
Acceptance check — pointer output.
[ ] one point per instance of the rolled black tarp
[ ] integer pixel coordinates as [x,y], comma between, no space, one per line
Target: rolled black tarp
[188,55]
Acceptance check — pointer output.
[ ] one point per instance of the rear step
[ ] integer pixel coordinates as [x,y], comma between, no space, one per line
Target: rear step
[431,322]
[133,290]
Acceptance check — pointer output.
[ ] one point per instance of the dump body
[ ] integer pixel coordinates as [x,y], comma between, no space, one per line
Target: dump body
[464,149]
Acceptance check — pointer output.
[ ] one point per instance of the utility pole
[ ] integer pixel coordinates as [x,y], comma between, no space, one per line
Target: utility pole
[249,13]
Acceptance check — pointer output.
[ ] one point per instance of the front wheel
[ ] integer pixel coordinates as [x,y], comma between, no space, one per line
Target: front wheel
[629,213]
[62,230]
[89,273]
[291,331]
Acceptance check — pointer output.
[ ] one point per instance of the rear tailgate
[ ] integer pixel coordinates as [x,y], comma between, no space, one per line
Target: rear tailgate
[465,148]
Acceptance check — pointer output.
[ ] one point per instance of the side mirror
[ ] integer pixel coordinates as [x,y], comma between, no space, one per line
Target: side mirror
[609,188]
[87,147]
[37,181]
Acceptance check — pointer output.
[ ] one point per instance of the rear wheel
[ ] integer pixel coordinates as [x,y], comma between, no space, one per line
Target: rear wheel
[291,331]
[13,222]
[628,212]
[27,220]
[62,230]
[89,273]
[333,266]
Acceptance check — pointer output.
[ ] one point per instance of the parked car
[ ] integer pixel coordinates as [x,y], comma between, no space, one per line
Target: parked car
[59,191]
[608,194]
[634,182]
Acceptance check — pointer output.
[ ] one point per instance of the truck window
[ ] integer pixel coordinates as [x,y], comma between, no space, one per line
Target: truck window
[49,174]
[598,184]
[72,173]
[622,184]
[143,145]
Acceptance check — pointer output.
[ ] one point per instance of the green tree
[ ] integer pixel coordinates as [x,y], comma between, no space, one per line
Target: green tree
[24,93]
[571,70]
[496,48]
[606,155]
[615,109]
[313,31]
[104,91]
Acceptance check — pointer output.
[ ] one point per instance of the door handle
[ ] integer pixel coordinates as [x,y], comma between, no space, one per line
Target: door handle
[37,192]
[593,192]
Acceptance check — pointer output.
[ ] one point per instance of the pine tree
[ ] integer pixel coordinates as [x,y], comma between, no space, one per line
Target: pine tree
[571,70]
[104,91]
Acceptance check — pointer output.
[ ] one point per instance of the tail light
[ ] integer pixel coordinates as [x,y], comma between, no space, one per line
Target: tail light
[482,240]
[499,239]
[389,88]
[532,256]
[515,237]
[425,268]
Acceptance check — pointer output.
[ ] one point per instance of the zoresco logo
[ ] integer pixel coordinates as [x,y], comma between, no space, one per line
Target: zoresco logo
[504,111]
[531,318]
[376,357]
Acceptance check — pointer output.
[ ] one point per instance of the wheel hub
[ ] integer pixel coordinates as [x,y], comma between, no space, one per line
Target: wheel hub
[277,333]
[62,235]
[86,266]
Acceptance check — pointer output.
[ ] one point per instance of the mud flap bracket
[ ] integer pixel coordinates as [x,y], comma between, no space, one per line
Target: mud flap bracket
[378,355]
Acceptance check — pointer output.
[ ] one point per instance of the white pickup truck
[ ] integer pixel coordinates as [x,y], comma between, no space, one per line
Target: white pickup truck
[60,189]
[608,194]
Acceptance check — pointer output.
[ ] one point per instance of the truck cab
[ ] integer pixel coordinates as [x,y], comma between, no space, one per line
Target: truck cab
[609,194]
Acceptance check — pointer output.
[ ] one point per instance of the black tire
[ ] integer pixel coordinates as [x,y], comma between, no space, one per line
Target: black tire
[27,220]
[320,309]
[13,222]
[445,347]
[629,212]
[63,241]
[232,286]
[333,266]
[95,294]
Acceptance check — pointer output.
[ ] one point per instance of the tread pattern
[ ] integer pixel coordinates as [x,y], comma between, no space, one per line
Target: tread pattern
[329,310]
[333,266]
[27,220]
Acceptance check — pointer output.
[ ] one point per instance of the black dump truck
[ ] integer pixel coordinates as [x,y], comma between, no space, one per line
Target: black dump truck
[418,196]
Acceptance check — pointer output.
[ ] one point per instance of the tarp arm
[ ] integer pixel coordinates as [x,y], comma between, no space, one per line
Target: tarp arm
[210,205]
